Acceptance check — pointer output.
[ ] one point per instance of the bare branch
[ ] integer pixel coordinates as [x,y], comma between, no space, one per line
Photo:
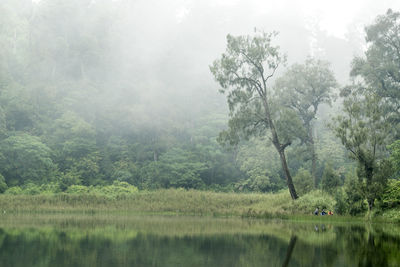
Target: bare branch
[264,80]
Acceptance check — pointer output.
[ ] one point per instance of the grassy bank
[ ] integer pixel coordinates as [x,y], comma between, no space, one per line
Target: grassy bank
[177,202]
[171,201]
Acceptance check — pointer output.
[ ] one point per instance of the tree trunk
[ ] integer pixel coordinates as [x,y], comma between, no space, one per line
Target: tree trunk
[289,180]
[314,166]
[281,150]
[313,156]
[369,171]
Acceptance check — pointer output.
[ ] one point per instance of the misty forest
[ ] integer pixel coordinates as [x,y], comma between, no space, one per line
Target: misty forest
[199,133]
[121,97]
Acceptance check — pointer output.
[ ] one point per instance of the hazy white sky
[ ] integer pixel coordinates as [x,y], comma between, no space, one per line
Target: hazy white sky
[334,17]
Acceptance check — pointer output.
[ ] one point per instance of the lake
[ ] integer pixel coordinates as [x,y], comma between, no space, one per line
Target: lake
[147,240]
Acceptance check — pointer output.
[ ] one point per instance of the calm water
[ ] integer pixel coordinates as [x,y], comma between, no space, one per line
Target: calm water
[107,240]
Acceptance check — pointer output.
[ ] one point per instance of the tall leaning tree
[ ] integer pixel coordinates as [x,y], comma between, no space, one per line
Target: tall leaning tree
[303,88]
[244,72]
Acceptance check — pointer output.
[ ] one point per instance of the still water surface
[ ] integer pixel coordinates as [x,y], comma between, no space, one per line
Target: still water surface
[122,240]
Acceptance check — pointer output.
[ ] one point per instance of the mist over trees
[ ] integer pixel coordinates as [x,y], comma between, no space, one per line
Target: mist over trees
[93,92]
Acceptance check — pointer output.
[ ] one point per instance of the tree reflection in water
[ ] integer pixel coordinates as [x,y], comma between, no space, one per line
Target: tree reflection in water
[192,242]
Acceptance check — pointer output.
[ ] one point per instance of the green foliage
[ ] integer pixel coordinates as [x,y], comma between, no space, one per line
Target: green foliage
[34,189]
[391,195]
[377,187]
[68,179]
[395,156]
[25,158]
[330,151]
[117,188]
[50,188]
[288,124]
[73,139]
[71,118]
[87,169]
[303,88]
[14,190]
[125,171]
[371,107]
[243,73]
[330,180]
[257,159]
[341,206]
[307,203]
[355,196]
[176,168]
[254,184]
[303,181]
[350,199]
[365,130]
[379,68]
[31,189]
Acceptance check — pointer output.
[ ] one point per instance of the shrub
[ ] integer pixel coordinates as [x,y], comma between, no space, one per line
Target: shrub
[317,198]
[14,190]
[391,195]
[354,195]
[31,189]
[341,206]
[117,188]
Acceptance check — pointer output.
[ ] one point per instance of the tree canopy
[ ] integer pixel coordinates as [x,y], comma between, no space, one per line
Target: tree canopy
[243,72]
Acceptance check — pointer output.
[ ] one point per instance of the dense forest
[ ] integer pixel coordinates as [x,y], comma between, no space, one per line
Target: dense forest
[87,101]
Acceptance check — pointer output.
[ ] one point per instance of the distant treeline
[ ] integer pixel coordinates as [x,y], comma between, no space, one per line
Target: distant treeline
[74,111]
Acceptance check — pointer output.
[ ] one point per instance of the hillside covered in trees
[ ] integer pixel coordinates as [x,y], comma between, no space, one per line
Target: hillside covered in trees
[91,98]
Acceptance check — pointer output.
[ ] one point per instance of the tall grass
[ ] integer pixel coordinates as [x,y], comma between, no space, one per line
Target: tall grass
[175,202]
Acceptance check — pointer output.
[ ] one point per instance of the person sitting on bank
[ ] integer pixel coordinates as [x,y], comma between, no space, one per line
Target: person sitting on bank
[330,213]
[316,211]
[323,212]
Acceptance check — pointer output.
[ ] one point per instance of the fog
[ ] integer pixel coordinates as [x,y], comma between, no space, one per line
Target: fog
[139,70]
[164,48]
[155,54]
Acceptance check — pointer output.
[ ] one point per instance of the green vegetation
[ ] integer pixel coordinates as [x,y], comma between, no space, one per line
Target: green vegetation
[175,201]
[84,125]
[124,199]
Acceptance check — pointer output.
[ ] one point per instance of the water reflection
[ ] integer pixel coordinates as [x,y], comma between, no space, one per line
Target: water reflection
[190,241]
[289,251]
